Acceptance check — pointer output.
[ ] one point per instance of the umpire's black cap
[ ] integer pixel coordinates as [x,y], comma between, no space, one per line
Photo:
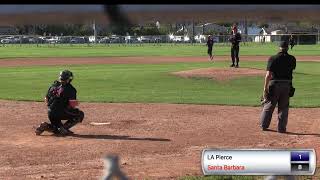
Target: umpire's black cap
[284,44]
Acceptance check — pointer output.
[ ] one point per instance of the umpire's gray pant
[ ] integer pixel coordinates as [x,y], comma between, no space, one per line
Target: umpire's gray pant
[280,96]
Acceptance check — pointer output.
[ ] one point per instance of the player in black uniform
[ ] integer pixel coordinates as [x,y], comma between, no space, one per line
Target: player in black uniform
[210,45]
[291,42]
[61,100]
[235,40]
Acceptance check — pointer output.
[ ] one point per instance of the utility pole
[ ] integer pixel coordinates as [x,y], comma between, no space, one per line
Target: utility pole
[318,34]
[203,29]
[192,39]
[246,29]
[94,31]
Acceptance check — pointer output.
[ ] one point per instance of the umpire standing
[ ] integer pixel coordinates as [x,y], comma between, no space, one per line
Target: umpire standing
[278,88]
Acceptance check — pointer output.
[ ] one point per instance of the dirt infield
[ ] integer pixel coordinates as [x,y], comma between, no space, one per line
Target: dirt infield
[155,141]
[220,74]
[131,60]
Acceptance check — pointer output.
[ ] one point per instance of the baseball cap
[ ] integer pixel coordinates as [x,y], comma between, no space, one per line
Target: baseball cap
[284,44]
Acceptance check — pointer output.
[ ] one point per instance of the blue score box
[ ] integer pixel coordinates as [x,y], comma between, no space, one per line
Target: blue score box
[299,156]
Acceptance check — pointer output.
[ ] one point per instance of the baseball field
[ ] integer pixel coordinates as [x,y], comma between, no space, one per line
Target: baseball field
[163,104]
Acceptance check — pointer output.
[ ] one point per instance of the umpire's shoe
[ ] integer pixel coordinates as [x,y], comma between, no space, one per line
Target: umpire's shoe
[44,126]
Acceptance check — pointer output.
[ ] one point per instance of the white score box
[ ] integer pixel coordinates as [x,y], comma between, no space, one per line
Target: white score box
[258,162]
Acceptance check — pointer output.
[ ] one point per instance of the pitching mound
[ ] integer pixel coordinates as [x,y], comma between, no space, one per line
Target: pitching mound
[220,74]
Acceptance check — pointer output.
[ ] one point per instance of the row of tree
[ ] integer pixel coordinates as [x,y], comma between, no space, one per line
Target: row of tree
[87,30]
[103,30]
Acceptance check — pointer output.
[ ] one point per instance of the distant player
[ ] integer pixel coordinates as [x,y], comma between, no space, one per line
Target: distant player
[210,45]
[291,42]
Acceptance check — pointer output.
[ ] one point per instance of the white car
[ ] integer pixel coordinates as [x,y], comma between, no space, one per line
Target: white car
[177,39]
[186,39]
[144,39]
[200,38]
[104,40]
[53,40]
[9,40]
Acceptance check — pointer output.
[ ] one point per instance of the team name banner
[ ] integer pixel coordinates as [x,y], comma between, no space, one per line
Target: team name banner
[258,162]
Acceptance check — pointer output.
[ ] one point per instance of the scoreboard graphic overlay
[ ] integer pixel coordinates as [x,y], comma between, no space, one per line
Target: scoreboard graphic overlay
[258,162]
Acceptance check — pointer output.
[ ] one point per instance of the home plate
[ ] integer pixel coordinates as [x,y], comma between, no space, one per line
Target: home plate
[99,123]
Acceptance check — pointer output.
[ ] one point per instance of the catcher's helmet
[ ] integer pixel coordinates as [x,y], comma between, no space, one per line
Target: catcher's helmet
[66,75]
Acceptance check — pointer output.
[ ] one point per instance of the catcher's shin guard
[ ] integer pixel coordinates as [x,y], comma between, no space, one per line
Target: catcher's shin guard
[72,122]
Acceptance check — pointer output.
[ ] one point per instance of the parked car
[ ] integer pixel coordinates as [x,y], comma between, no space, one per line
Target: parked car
[77,40]
[44,39]
[64,40]
[156,39]
[6,40]
[104,40]
[35,40]
[177,39]
[200,38]
[115,40]
[10,40]
[131,39]
[144,39]
[53,40]
[186,39]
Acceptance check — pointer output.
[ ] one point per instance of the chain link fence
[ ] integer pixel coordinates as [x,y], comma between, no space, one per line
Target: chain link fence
[114,39]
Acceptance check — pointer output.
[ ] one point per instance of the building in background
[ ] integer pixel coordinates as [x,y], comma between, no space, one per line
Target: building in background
[8,30]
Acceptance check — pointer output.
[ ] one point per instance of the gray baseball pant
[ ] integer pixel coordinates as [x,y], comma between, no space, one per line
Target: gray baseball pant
[280,96]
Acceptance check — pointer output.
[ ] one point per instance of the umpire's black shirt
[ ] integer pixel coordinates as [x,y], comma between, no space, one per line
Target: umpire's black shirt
[281,65]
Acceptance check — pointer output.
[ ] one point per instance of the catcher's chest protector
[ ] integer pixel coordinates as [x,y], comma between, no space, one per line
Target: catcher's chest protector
[55,92]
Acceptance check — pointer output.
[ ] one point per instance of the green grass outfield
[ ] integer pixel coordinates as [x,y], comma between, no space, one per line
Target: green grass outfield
[113,50]
[152,83]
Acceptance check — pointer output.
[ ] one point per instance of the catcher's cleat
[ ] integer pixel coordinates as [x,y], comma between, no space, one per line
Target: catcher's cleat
[42,127]
[232,65]
[62,131]
[69,131]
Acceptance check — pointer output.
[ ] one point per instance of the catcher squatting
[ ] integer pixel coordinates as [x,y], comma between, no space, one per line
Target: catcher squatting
[61,100]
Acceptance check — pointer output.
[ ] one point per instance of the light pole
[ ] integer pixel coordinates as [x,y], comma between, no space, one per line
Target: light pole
[94,31]
[318,35]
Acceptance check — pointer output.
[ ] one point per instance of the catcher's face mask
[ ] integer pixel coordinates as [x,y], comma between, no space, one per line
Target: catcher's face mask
[66,75]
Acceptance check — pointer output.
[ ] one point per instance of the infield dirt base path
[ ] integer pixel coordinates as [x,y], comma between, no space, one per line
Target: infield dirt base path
[132,60]
[155,141]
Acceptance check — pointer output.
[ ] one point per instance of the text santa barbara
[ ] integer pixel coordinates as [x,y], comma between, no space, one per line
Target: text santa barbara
[225,167]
